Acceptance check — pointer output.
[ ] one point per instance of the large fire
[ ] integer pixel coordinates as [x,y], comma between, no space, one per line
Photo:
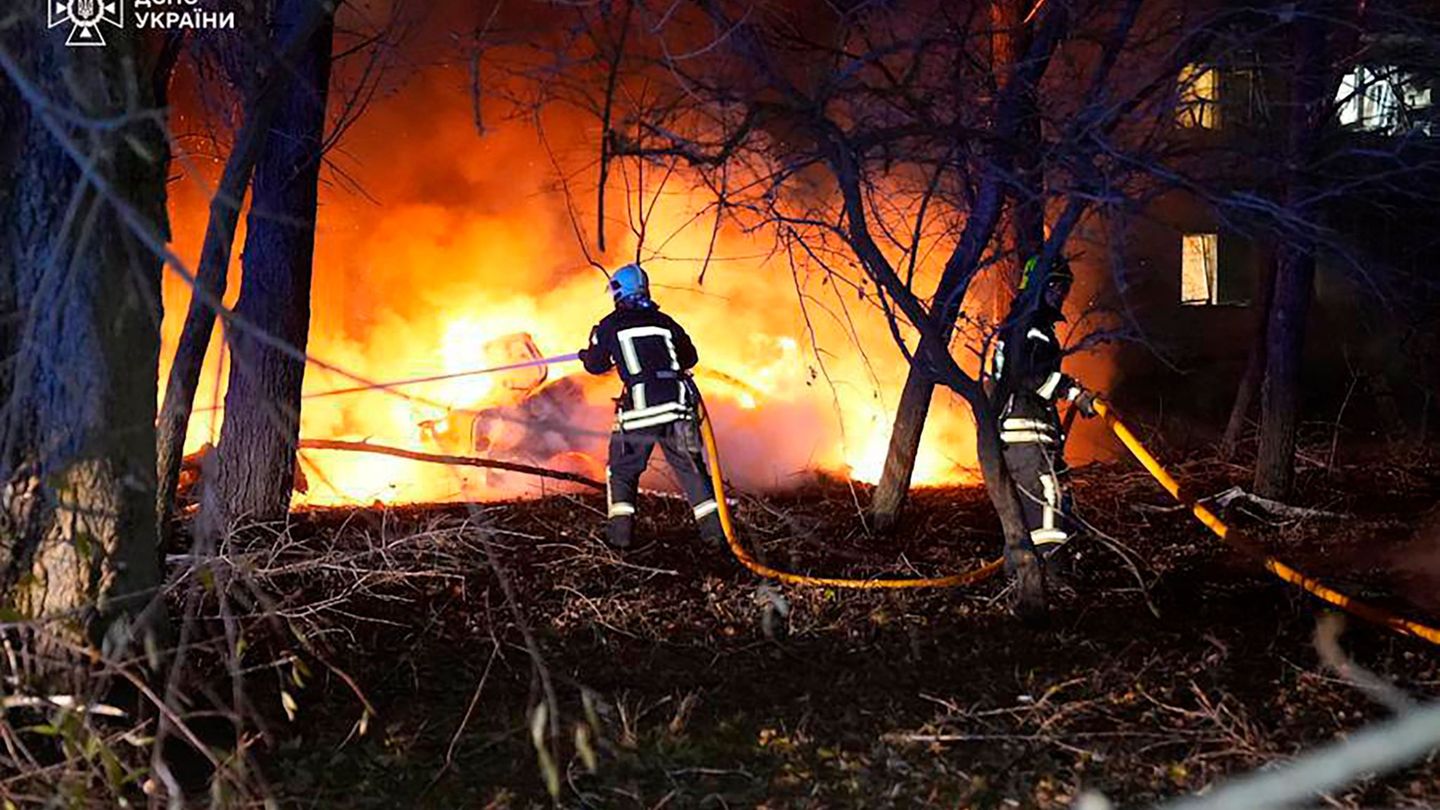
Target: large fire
[458,252]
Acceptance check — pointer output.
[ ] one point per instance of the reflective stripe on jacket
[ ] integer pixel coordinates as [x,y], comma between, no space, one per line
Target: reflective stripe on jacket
[1027,366]
[652,354]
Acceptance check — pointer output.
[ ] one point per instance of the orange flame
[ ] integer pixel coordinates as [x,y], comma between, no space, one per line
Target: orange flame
[471,244]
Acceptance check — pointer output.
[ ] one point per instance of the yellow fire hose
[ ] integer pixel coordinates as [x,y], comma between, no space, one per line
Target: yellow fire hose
[743,556]
[1368,612]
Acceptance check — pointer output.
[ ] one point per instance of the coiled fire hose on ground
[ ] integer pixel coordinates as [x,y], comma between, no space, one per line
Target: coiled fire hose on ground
[1363,610]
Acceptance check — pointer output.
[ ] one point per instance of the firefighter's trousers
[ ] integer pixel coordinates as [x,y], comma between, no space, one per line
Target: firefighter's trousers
[630,454]
[1039,474]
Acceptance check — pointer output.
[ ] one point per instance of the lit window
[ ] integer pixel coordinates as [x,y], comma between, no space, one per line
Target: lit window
[1199,102]
[1380,98]
[1199,263]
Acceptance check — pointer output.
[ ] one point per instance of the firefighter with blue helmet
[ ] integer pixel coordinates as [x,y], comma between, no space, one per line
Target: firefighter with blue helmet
[1029,384]
[658,405]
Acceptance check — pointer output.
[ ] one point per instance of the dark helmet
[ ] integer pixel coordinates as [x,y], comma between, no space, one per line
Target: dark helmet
[1060,273]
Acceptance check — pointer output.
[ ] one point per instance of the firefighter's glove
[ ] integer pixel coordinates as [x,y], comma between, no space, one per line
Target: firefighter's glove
[1085,401]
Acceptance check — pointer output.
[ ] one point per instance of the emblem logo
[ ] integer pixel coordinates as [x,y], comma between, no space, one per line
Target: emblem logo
[86,19]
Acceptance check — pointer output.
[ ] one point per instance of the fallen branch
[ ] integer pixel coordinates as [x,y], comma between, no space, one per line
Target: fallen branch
[1273,507]
[1155,509]
[436,458]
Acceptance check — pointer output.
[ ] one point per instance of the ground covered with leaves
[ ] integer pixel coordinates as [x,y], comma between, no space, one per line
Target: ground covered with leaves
[672,677]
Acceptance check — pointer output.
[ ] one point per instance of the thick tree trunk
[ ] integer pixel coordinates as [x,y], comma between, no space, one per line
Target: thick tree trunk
[210,274]
[81,353]
[909,426]
[914,406]
[1275,458]
[910,415]
[1020,558]
[256,454]
[1254,368]
[1295,266]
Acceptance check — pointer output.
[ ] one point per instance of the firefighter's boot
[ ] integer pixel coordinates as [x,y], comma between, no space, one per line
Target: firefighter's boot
[1059,563]
[711,530]
[619,530]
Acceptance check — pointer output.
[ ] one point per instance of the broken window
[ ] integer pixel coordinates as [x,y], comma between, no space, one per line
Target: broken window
[1385,99]
[1199,269]
[1199,101]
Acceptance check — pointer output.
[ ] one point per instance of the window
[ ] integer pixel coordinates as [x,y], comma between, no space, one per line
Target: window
[1199,266]
[1245,98]
[1385,99]
[1199,100]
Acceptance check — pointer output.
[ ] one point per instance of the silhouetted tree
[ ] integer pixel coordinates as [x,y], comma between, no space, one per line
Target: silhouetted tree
[266,74]
[882,139]
[83,159]
[256,454]
[1323,38]
[1316,187]
[1020,176]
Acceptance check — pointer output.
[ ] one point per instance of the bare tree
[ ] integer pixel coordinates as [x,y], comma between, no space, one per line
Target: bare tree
[1314,35]
[256,453]
[262,100]
[882,151]
[1021,178]
[1318,179]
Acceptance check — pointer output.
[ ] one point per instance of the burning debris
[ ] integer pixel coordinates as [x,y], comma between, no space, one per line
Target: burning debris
[528,417]
[516,350]
[554,425]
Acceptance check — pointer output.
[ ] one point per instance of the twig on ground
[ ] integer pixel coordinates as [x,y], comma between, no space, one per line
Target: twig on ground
[469,711]
[1126,555]
[1378,748]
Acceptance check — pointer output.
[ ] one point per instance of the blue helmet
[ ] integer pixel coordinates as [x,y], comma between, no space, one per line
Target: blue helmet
[630,286]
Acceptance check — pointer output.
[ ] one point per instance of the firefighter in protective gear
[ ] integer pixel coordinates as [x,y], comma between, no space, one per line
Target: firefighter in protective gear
[1029,384]
[658,405]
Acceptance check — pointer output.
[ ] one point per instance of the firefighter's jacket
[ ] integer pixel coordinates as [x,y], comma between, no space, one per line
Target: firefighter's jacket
[1026,367]
[653,354]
